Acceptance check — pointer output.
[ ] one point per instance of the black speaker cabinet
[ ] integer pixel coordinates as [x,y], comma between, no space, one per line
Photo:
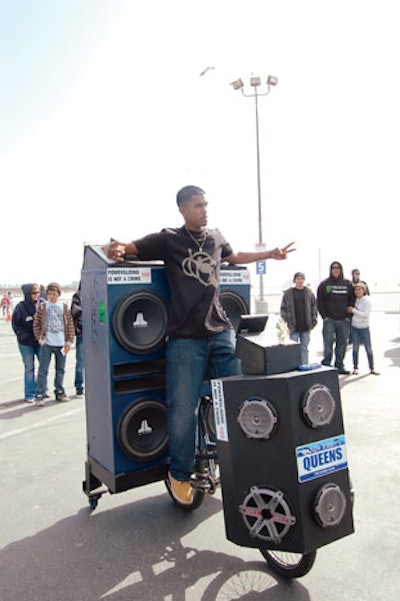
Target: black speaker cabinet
[260,354]
[283,461]
[125,311]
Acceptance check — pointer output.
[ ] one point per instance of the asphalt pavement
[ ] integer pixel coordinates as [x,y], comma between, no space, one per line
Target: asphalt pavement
[137,545]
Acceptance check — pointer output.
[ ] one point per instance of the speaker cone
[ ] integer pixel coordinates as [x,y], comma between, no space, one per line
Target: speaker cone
[234,306]
[140,321]
[266,514]
[318,406]
[330,505]
[142,431]
[257,418]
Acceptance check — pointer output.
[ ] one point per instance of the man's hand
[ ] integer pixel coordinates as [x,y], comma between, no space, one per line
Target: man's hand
[114,250]
[281,253]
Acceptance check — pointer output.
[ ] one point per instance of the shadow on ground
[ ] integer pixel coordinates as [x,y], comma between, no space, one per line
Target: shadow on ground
[133,552]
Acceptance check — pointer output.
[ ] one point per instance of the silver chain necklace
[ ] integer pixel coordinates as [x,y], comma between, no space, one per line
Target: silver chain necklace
[199,243]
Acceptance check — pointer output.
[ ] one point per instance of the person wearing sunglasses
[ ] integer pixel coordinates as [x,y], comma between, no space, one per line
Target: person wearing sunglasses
[22,324]
[334,296]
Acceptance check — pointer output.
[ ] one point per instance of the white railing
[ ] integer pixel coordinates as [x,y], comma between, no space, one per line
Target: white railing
[387,301]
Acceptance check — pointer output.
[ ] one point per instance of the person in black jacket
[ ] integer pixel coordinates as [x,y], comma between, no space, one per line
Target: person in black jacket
[22,324]
[334,296]
[76,311]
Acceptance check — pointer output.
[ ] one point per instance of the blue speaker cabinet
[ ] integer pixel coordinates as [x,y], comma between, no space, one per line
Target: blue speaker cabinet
[235,292]
[125,309]
[282,456]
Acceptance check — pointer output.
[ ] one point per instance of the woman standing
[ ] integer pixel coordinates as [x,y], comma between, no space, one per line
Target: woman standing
[22,324]
[360,333]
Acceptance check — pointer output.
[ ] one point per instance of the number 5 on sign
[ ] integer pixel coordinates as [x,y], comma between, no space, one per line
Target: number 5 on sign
[261,267]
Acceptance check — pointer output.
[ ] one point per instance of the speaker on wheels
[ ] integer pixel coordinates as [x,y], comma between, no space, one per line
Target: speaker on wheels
[283,462]
[125,312]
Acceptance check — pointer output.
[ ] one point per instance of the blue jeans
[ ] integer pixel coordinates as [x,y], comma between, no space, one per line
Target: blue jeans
[362,336]
[189,362]
[28,354]
[335,331]
[304,339]
[46,352]
[79,363]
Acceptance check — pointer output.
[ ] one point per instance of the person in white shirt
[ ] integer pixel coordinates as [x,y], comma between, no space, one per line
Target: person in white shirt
[360,332]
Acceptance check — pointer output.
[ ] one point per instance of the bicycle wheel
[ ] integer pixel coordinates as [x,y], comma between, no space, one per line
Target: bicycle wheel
[198,498]
[242,580]
[289,565]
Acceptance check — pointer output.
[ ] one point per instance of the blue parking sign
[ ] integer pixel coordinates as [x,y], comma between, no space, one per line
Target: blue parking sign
[261,267]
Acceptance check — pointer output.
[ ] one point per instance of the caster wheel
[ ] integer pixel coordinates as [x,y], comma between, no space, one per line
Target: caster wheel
[93,502]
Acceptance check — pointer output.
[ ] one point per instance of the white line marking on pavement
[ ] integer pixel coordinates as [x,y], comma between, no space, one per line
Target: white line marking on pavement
[40,424]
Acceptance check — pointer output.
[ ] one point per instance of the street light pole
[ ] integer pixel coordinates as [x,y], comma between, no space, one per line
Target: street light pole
[255,82]
[260,233]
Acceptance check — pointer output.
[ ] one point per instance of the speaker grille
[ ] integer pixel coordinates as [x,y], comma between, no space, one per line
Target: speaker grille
[318,406]
[257,418]
[142,431]
[267,514]
[140,321]
[330,505]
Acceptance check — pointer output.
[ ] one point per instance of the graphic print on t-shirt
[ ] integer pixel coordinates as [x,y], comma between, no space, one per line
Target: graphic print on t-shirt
[55,321]
[201,266]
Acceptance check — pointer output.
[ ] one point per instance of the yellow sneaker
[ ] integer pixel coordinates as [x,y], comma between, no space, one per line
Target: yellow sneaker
[181,491]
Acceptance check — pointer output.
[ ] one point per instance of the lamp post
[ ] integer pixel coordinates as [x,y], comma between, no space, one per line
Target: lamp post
[256,83]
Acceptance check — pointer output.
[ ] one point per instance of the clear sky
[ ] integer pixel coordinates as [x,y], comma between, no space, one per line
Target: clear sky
[104,116]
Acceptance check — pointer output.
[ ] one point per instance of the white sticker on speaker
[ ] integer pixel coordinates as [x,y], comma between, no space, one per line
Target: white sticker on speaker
[239,276]
[219,410]
[129,275]
[320,458]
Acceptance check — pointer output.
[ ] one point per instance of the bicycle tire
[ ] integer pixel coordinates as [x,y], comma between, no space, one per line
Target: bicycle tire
[241,580]
[289,565]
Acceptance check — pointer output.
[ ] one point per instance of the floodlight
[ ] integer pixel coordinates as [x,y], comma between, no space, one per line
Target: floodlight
[255,81]
[237,84]
[272,80]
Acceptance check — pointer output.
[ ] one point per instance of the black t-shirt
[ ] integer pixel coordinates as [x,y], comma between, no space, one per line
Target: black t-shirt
[193,275]
[299,298]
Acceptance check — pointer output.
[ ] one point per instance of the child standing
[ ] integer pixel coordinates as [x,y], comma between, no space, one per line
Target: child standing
[54,329]
[360,332]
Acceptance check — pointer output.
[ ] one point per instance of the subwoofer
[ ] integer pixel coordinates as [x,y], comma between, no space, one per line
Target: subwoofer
[139,321]
[283,461]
